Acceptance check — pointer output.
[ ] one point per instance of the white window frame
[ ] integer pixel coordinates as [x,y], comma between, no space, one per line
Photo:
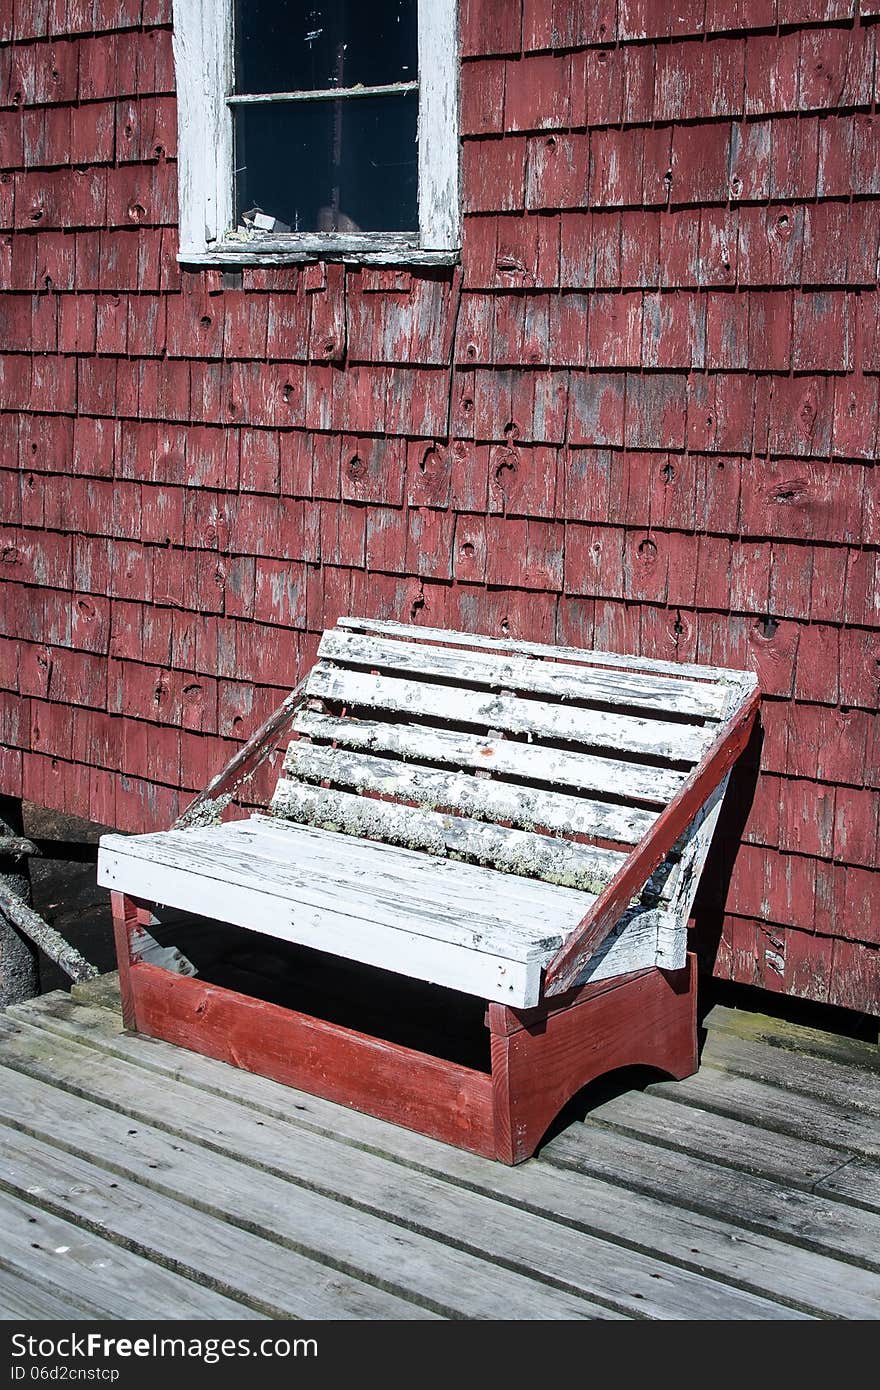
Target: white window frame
[203,65]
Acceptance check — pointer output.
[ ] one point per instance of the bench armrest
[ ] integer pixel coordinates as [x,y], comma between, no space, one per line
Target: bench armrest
[653,848]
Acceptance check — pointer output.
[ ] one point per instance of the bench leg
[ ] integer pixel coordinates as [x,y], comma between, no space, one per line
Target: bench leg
[543,1058]
[128,915]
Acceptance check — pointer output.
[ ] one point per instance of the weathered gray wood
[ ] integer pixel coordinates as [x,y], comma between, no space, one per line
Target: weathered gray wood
[32,925]
[258,1273]
[799,1162]
[841,1084]
[802,1217]
[80,1267]
[560,681]
[558,861]
[591,1207]
[467,795]
[656,738]
[473,1221]
[795,1038]
[786,1112]
[100,990]
[287,1215]
[579,655]
[24,1298]
[501,757]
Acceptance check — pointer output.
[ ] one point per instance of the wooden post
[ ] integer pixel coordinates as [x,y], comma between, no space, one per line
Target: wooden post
[128,913]
[19,974]
[542,1057]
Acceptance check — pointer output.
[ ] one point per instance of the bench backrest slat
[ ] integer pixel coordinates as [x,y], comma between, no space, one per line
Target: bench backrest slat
[548,857]
[580,656]
[485,799]
[536,760]
[453,705]
[625,690]
[533,762]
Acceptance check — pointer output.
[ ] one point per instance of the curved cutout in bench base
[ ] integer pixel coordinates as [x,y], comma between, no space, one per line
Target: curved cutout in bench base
[541,1059]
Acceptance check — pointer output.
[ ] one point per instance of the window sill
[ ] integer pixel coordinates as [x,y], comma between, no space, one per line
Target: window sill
[274,248]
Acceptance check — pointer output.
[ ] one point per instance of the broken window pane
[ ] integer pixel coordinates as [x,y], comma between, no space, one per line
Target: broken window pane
[291,46]
[321,166]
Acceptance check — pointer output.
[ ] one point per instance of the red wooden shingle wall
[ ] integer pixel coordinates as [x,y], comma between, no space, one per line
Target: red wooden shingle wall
[641,415]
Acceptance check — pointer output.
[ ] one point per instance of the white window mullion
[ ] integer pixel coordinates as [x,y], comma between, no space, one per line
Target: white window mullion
[439,211]
[203,64]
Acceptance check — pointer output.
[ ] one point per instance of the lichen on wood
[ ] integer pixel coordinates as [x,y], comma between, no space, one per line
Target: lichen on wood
[50,942]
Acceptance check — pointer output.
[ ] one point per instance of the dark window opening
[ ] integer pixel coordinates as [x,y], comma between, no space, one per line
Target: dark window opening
[312,152]
[288,46]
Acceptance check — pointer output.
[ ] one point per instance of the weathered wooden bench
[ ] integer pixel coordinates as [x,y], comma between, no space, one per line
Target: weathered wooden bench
[520,822]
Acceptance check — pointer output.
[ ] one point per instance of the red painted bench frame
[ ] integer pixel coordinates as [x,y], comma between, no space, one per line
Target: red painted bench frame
[540,1057]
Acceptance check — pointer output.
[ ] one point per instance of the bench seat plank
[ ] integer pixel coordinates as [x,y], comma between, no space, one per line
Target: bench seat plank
[505,757]
[625,689]
[276,883]
[299,869]
[466,885]
[654,738]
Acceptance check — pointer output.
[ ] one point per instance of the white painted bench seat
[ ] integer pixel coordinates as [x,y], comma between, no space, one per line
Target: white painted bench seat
[460,925]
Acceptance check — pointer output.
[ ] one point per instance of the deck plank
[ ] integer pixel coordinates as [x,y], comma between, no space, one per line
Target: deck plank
[79,1267]
[791,1037]
[802,1163]
[432,1274]
[785,1112]
[801,1216]
[759,1266]
[31,1299]
[823,1079]
[262,1275]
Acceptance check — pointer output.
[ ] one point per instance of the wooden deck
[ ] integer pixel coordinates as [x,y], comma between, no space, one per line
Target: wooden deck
[139,1180]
